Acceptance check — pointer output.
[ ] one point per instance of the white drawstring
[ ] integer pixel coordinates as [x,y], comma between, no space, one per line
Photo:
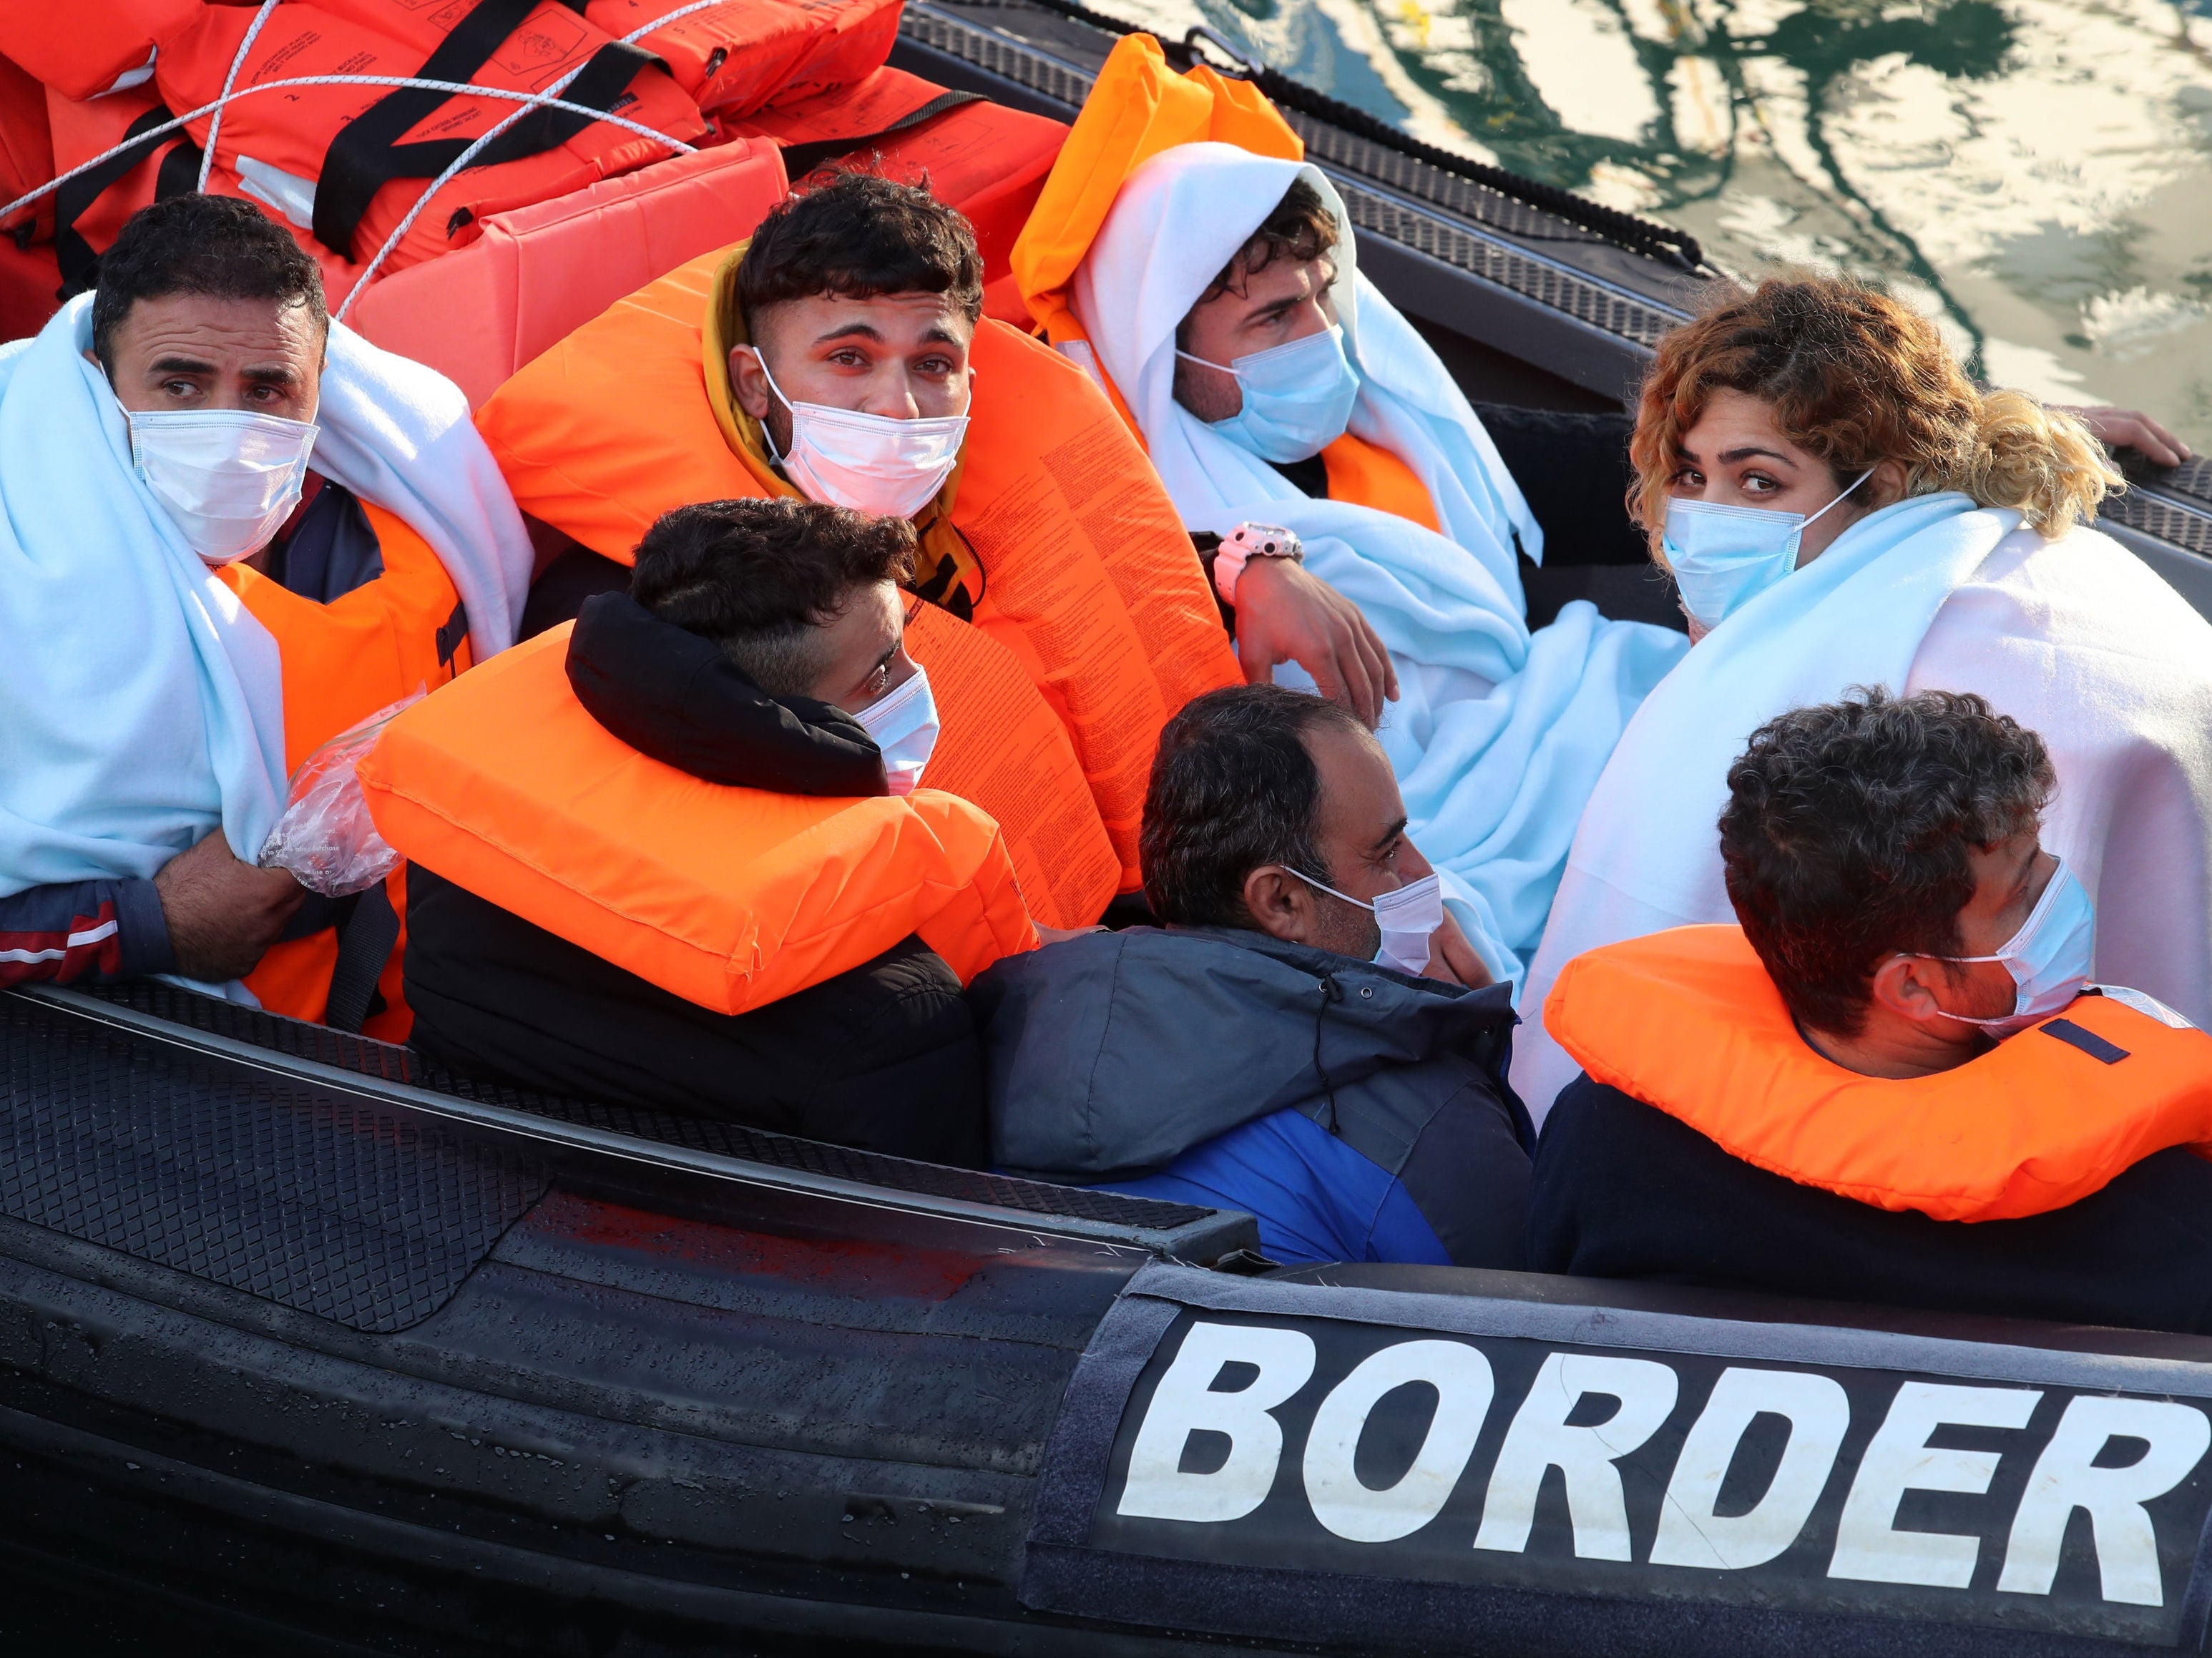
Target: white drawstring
[215,122]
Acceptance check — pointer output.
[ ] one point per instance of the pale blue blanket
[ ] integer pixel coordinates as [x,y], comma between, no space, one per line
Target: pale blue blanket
[1498,735]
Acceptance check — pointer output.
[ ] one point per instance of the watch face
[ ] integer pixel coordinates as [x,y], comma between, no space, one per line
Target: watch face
[1267,541]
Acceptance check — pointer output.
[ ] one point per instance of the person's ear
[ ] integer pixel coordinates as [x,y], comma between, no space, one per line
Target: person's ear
[1887,487]
[1907,986]
[749,380]
[1280,904]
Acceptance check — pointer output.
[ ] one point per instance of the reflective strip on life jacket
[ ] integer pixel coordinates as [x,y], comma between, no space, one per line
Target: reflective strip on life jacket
[340,663]
[728,898]
[1090,578]
[1688,1021]
[82,48]
[1367,475]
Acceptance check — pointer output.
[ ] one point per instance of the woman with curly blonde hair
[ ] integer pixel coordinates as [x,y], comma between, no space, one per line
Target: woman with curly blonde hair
[1840,505]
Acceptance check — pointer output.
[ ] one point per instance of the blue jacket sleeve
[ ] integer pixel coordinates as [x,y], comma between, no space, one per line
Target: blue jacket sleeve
[100,930]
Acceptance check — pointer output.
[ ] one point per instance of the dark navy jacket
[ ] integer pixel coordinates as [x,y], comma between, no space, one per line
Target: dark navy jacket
[1357,1113]
[1625,1191]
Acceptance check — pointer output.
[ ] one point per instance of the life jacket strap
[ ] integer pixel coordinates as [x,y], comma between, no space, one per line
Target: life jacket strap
[799,159]
[367,154]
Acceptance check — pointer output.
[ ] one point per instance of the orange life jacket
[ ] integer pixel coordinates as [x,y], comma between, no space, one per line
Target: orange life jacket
[478,314]
[1090,579]
[1367,475]
[982,158]
[341,662]
[744,55]
[82,48]
[1688,1021]
[358,158]
[729,897]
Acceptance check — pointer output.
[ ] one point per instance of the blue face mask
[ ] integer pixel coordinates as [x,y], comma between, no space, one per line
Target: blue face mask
[1297,397]
[1723,557]
[2049,958]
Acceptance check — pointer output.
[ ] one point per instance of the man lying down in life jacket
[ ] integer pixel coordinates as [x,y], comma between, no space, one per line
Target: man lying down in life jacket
[676,856]
[1892,1083]
[841,355]
[1302,1041]
[230,528]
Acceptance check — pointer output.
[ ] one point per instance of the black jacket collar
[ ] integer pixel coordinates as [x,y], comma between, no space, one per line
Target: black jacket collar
[675,697]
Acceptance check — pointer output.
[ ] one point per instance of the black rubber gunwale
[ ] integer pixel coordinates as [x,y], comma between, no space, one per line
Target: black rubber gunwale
[1677,248]
[578,1147]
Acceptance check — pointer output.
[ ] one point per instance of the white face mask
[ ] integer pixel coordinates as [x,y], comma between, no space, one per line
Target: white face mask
[227,478]
[903,722]
[871,463]
[1408,916]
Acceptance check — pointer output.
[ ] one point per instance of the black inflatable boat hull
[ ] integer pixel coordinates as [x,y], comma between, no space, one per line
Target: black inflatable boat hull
[297,1354]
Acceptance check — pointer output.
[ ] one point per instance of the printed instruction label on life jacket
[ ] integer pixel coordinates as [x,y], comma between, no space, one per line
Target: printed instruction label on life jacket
[2055,1492]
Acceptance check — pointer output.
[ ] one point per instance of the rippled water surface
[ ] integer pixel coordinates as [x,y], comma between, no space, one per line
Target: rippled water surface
[2038,173]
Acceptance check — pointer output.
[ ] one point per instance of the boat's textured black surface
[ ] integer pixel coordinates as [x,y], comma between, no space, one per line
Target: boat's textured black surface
[1582,273]
[389,1063]
[300,1196]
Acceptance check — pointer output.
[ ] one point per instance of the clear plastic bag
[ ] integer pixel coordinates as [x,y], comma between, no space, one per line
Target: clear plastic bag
[325,835]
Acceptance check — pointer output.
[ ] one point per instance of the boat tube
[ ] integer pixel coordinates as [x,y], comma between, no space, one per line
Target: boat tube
[302,1343]
[308,1347]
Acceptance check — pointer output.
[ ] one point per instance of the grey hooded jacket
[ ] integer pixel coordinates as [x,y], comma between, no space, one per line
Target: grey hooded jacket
[1111,1055]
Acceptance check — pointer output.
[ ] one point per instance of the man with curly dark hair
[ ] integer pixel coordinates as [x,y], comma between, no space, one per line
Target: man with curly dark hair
[1899,1036]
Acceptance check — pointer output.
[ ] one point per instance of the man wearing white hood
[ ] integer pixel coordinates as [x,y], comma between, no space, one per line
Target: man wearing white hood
[1222,298]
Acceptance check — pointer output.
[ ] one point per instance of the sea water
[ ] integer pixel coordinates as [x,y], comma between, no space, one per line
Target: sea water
[2036,173]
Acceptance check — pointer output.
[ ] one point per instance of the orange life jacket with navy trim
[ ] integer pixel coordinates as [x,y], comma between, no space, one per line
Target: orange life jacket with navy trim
[1091,584]
[729,897]
[341,662]
[1688,1021]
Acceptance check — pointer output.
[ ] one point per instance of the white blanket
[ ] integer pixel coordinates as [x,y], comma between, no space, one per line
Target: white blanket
[141,704]
[1498,737]
[1180,217]
[2075,638]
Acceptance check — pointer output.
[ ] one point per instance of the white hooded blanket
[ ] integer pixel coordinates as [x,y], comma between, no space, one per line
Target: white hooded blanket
[141,703]
[1499,736]
[2074,638]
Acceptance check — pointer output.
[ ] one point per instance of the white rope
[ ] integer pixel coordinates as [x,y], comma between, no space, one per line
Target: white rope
[461,161]
[215,124]
[532,99]
[636,35]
